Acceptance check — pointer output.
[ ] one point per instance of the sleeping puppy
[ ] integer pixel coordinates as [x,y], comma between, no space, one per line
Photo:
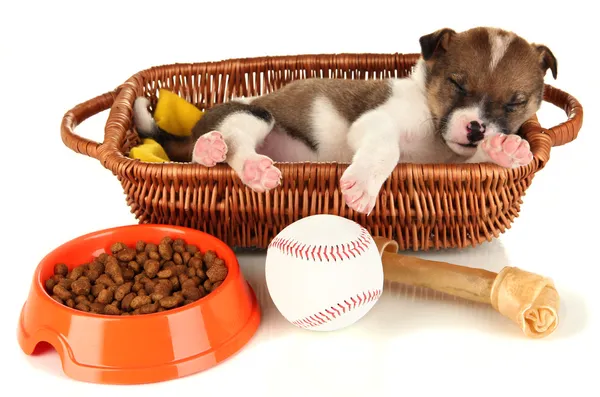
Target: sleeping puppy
[463,103]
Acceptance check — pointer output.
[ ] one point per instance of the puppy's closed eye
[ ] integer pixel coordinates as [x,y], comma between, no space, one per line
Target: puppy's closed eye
[518,102]
[459,87]
[514,106]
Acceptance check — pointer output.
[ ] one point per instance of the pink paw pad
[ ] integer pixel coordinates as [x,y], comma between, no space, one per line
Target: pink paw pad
[509,151]
[260,174]
[210,149]
[356,195]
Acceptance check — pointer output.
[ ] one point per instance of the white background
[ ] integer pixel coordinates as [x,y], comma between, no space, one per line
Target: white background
[54,55]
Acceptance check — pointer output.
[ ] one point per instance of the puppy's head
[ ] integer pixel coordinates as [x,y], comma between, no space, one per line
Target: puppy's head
[483,81]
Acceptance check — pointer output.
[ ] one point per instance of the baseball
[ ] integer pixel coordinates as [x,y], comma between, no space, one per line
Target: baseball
[324,272]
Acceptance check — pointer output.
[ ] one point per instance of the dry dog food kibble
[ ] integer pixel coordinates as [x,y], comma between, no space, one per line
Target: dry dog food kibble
[143,279]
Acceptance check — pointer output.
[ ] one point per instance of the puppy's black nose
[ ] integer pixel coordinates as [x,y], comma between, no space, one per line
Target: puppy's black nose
[475,131]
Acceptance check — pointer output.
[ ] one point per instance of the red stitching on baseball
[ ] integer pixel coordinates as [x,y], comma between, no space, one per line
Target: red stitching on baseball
[323,253]
[332,313]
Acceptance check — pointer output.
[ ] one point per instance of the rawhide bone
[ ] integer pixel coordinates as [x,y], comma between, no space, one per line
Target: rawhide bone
[527,299]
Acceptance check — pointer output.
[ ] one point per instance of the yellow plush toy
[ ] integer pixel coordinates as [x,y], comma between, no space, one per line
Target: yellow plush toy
[149,151]
[174,115]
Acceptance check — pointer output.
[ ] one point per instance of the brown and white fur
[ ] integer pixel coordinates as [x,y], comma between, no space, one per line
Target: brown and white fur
[466,98]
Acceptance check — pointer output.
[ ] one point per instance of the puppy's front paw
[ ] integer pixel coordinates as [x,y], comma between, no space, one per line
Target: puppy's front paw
[357,193]
[259,173]
[508,151]
[210,149]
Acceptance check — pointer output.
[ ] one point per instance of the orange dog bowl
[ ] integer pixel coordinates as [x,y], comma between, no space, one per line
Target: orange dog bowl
[144,348]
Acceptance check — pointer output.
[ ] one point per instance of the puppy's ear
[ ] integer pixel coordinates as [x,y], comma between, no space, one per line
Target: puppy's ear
[436,42]
[547,59]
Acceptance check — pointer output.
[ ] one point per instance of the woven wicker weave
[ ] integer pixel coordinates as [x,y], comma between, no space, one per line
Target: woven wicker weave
[421,207]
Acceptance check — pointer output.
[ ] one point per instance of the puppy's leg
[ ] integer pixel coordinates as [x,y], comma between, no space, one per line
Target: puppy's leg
[508,151]
[374,139]
[236,136]
[243,132]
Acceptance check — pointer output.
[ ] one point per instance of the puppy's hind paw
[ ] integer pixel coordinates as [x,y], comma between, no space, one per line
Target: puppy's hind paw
[508,151]
[259,173]
[210,149]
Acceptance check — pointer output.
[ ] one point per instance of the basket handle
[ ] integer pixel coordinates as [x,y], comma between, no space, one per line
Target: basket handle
[80,113]
[568,130]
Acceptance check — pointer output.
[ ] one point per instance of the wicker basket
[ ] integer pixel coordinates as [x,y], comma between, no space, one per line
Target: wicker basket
[421,206]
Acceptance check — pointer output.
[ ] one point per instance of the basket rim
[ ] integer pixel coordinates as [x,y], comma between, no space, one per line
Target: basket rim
[318,57]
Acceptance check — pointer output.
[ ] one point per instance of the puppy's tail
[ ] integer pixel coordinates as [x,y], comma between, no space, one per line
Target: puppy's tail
[143,119]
